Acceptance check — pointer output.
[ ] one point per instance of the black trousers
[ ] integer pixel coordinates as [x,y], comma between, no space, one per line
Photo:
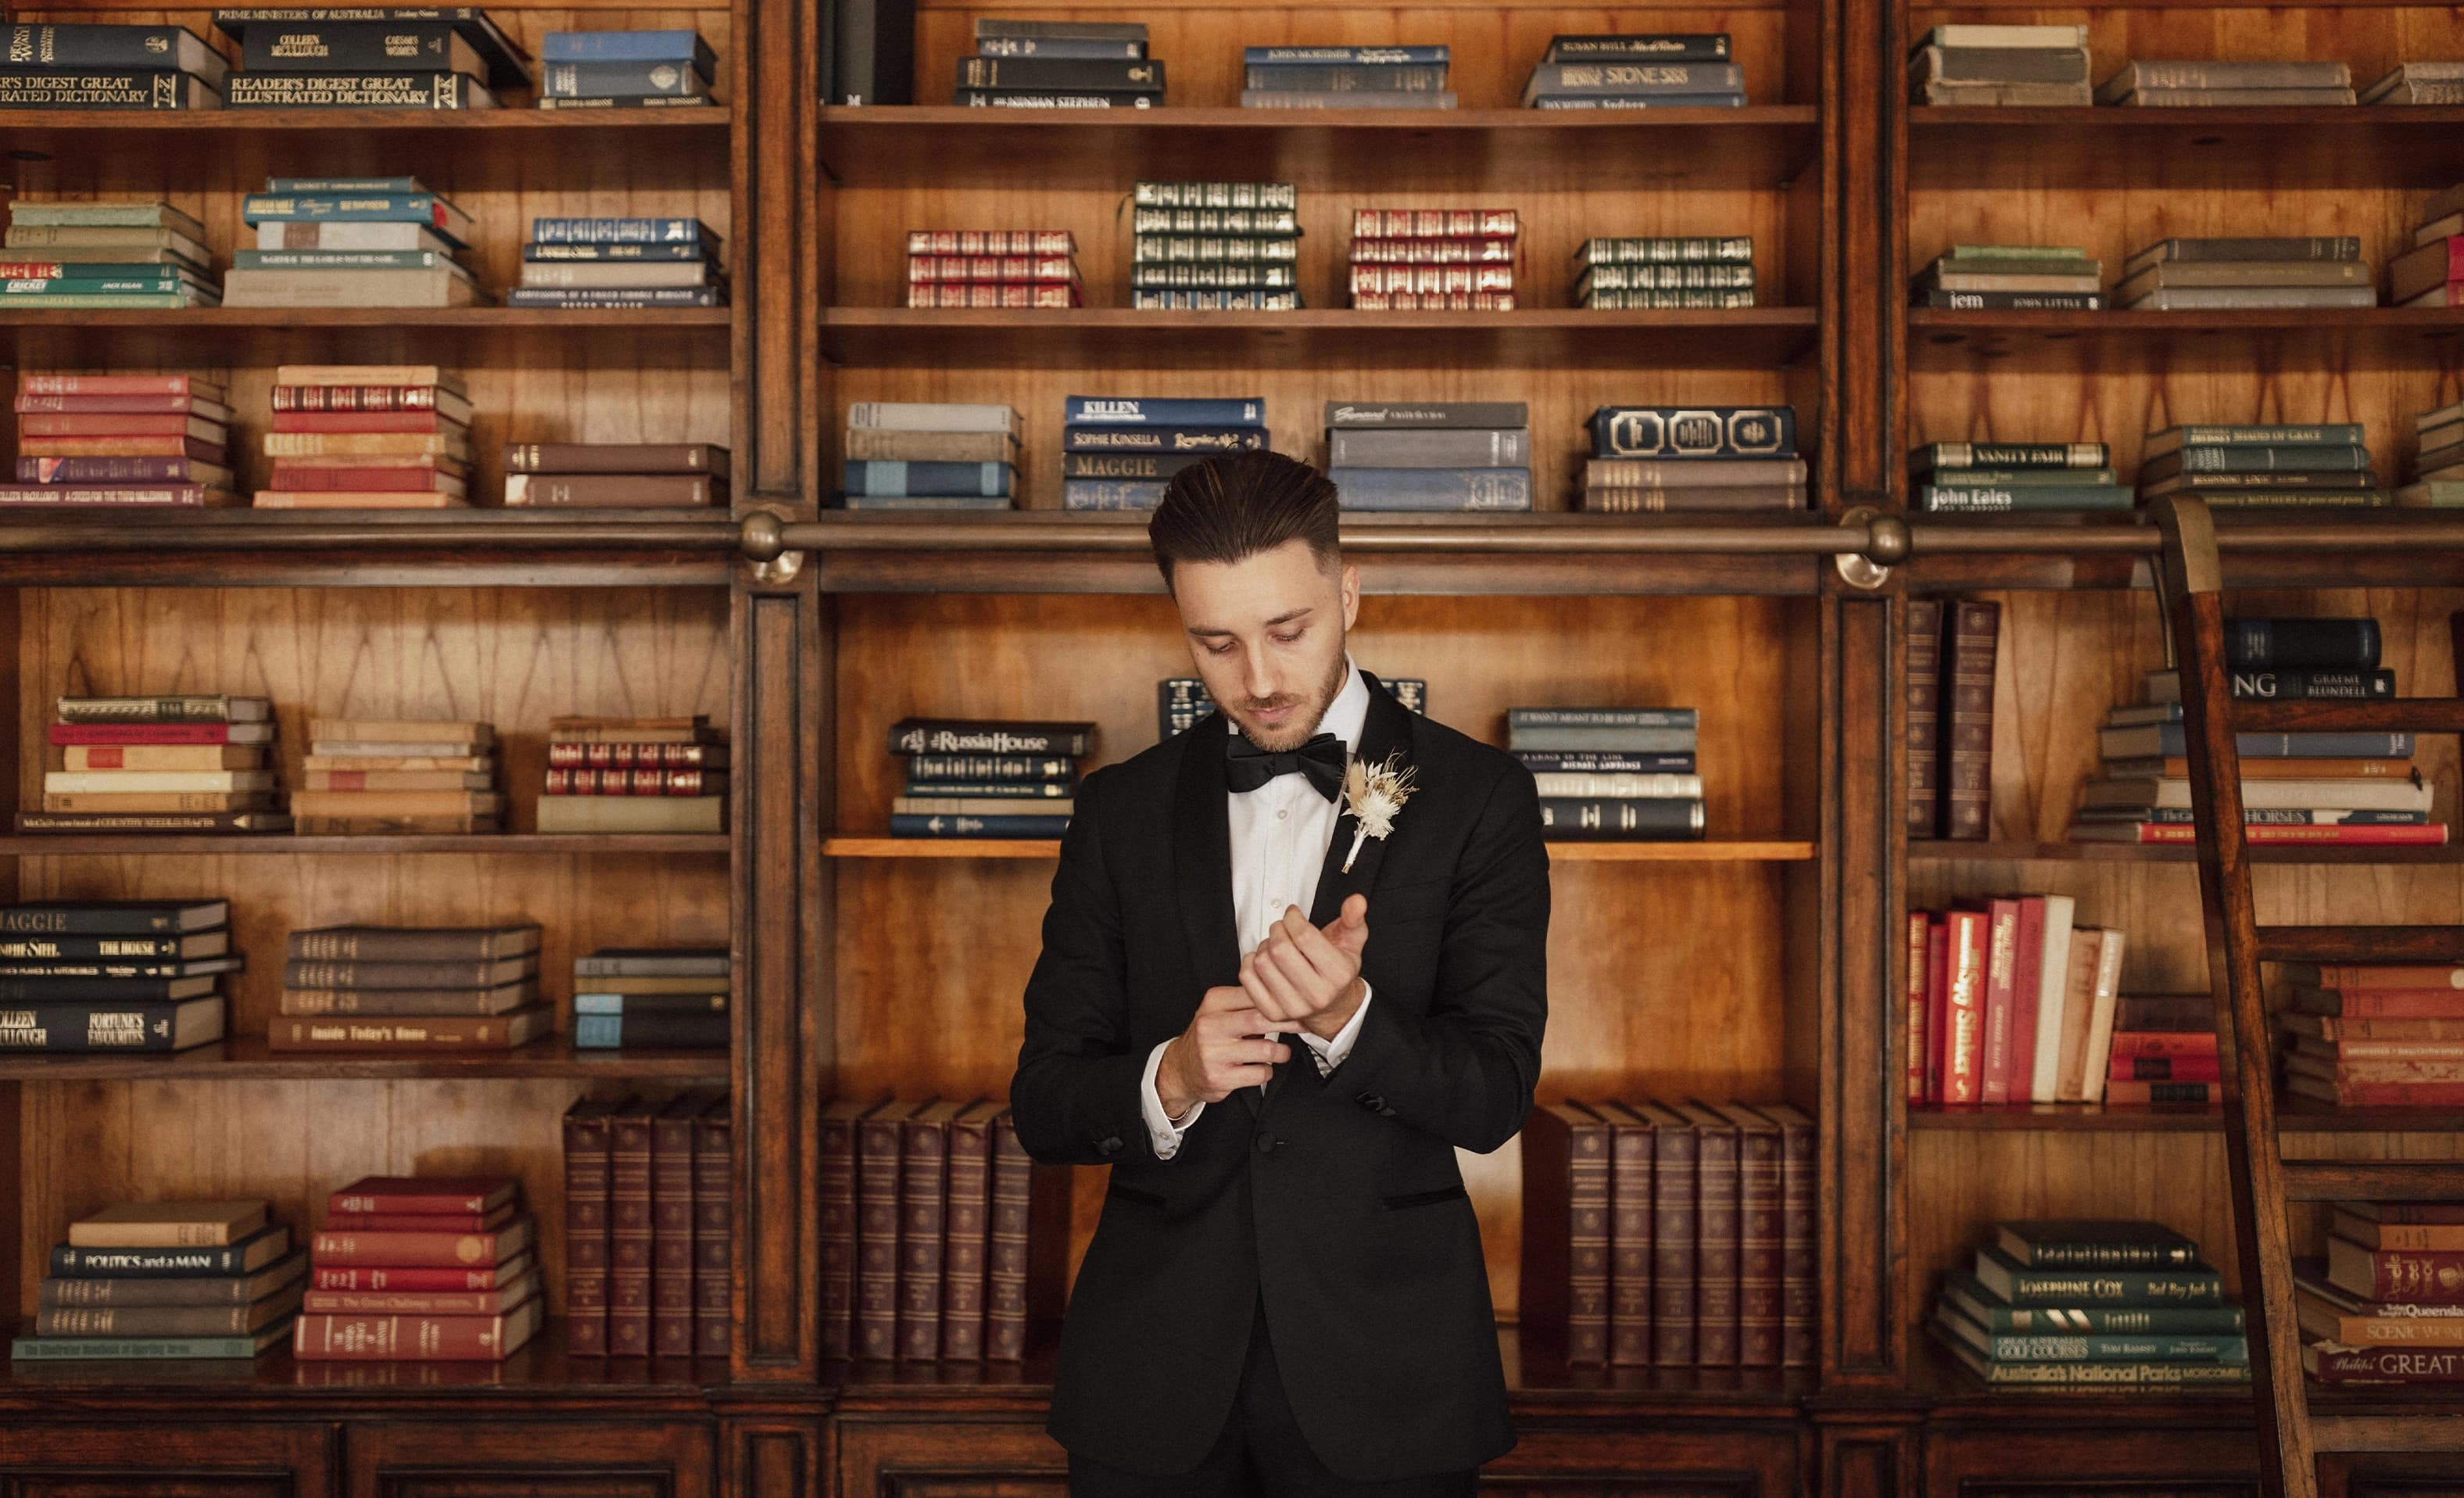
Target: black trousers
[1261,1453]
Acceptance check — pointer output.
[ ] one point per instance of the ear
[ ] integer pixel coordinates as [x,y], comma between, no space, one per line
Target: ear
[1350,595]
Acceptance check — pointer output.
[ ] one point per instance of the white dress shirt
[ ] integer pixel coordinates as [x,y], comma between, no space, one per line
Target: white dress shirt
[1280,833]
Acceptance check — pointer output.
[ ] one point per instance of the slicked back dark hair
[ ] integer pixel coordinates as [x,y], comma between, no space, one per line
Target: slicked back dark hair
[1231,508]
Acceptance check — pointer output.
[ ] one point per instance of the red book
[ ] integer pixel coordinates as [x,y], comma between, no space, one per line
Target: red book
[354,397]
[362,421]
[2001,983]
[90,446]
[1964,1010]
[118,384]
[368,1338]
[1937,1005]
[294,477]
[629,1231]
[417,1222]
[438,1195]
[2426,835]
[2167,1068]
[587,1140]
[425,1303]
[671,1227]
[370,1277]
[130,404]
[2414,1276]
[836,1232]
[714,1182]
[1920,928]
[423,1250]
[2372,978]
[142,733]
[2024,998]
[106,424]
[2164,1043]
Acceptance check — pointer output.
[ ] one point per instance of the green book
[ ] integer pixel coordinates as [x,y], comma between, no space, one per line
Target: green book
[1968,1295]
[2020,478]
[150,1349]
[2019,1284]
[2013,265]
[2015,252]
[2105,1346]
[2144,1374]
[2006,499]
[107,300]
[116,215]
[2437,493]
[2334,434]
[92,286]
[2096,1243]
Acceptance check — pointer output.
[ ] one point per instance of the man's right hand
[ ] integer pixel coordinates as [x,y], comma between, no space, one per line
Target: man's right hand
[1224,1048]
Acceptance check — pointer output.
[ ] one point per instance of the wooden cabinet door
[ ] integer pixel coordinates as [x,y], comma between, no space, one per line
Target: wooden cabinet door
[1607,1457]
[529,1458]
[909,1457]
[2110,1460]
[160,1459]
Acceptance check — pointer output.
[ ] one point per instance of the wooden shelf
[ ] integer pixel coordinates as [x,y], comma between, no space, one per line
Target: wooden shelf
[247,1058]
[1058,338]
[277,844]
[218,337]
[1713,851]
[2236,339]
[1382,150]
[663,139]
[1961,852]
[1967,150]
[2293,1115]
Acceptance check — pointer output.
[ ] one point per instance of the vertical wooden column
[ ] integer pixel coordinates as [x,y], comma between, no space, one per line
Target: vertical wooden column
[777,283]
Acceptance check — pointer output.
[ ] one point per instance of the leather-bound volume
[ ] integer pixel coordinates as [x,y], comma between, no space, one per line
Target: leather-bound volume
[1672,1235]
[1759,1237]
[1029,1269]
[1924,716]
[966,1232]
[1630,1147]
[671,1227]
[447,1250]
[616,457]
[629,1230]
[613,490]
[587,1162]
[378,1338]
[1967,756]
[412,944]
[1715,1237]
[714,1185]
[878,1148]
[923,1177]
[836,1231]
[1565,1260]
[1796,1230]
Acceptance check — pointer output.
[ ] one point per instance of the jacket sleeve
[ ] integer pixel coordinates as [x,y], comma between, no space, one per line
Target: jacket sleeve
[1075,1099]
[1465,1070]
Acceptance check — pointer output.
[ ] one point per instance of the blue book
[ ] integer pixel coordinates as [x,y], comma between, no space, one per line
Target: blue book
[883,477]
[1467,488]
[1112,494]
[681,250]
[288,185]
[425,209]
[1110,410]
[911,824]
[1199,440]
[1301,56]
[921,502]
[675,46]
[621,230]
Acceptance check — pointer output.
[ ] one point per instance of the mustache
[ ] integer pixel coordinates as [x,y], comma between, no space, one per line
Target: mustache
[1268,704]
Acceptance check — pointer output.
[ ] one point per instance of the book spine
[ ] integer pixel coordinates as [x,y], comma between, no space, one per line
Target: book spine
[923,1175]
[1089,410]
[1095,493]
[671,1235]
[367,1338]
[1715,1245]
[1640,818]
[879,1153]
[1966,698]
[623,459]
[2261,644]
[1670,432]
[1074,75]
[1009,1251]
[1964,1010]
[1465,489]
[1589,1168]
[1630,1289]
[1798,1226]
[143,1320]
[713,1230]
[411,1250]
[631,1231]
[1458,448]
[1923,715]
[1340,77]
[617,231]
[83,1028]
[423,1303]
[101,89]
[1760,1248]
[648,79]
[966,1238]
[177,1349]
[1673,1247]
[1920,933]
[354,91]
[221,1260]
[2109,1287]
[1203,441]
[1707,47]
[369,1279]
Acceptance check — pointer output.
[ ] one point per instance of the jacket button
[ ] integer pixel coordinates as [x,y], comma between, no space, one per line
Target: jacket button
[1265,1140]
[1372,1102]
[1109,1144]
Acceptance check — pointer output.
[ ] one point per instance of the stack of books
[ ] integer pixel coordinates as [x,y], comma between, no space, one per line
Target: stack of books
[1030,65]
[971,778]
[1121,450]
[2418,83]
[2438,459]
[1435,259]
[91,66]
[620,475]
[2219,84]
[1181,701]
[76,464]
[370,60]
[1430,454]
[992,268]
[2092,1304]
[647,1225]
[654,775]
[351,242]
[643,996]
[159,1279]
[620,262]
[2431,274]
[1669,1234]
[1693,457]
[2000,477]
[446,989]
[2012,1000]
[123,253]
[1215,246]
[1404,76]
[221,790]
[2255,467]
[2373,1035]
[1684,273]
[424,1268]
[1609,773]
[1650,71]
[2021,66]
[397,777]
[2000,277]
[2162,1048]
[114,975]
[2386,1306]
[2318,270]
[941,1240]
[2303,787]
[625,70]
[368,437]
[930,441]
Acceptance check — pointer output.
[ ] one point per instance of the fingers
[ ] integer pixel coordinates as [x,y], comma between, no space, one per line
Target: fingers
[1285,997]
[1350,929]
[1218,999]
[1267,1000]
[1331,962]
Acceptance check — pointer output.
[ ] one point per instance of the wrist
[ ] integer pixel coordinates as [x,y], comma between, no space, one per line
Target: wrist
[1177,1101]
[1329,1023]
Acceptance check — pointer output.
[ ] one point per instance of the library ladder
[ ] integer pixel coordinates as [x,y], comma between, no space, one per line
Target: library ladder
[2263,1180]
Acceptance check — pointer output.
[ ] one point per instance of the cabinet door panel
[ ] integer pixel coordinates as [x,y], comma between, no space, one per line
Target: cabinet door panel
[529,1459]
[2113,1462]
[161,1460]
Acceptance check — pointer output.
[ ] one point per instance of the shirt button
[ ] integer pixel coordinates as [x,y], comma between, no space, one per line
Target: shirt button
[1282,814]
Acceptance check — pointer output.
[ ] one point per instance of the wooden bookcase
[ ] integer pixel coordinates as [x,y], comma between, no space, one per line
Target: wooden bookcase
[1761,964]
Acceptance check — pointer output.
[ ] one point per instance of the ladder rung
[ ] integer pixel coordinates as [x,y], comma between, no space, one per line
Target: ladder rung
[2397,716]
[2373,1181]
[2361,943]
[2440,1432]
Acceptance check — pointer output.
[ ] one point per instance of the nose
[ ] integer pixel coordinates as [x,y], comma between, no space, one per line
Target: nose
[1259,675]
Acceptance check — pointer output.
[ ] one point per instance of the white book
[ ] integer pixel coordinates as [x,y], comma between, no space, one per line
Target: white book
[1687,787]
[2053,37]
[2053,978]
[2079,1008]
[2099,1030]
[929,416]
[68,782]
[328,234]
[2373,793]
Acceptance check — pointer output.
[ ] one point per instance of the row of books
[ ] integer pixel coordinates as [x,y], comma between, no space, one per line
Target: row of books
[2028,65]
[1678,272]
[112,976]
[1215,245]
[378,58]
[2198,274]
[647,1225]
[2016,1001]
[992,268]
[2239,465]
[2373,1035]
[978,777]
[2385,1303]
[2092,1304]
[675,997]
[1611,774]
[1435,259]
[1670,1234]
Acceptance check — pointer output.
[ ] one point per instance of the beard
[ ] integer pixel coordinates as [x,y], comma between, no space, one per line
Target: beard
[1300,726]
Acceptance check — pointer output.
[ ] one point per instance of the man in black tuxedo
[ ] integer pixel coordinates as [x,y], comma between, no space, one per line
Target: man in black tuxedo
[1285,1293]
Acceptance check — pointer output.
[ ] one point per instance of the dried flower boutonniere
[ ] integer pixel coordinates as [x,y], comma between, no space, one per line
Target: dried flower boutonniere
[1372,793]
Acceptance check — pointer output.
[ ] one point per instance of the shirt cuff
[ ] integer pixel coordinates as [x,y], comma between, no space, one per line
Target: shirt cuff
[1329,1053]
[1160,1129]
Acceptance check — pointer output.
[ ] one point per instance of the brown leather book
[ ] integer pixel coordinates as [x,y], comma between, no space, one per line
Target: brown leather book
[1027,1273]
[836,1231]
[587,1141]
[490,972]
[455,1032]
[1924,716]
[1564,1273]
[671,1227]
[1796,1233]
[1672,1235]
[1966,759]
[167,1321]
[504,1000]
[713,1226]
[412,944]
[629,1230]
[966,1232]
[423,1338]
[878,1148]
[1630,1151]
[613,490]
[1715,1237]
[923,1176]
[423,1250]
[616,457]
[396,803]
[395,826]
[1758,1237]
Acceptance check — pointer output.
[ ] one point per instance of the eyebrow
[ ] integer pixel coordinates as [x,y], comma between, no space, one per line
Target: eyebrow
[1279,619]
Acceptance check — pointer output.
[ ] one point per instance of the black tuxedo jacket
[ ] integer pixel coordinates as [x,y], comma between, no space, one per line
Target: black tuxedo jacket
[1336,1198]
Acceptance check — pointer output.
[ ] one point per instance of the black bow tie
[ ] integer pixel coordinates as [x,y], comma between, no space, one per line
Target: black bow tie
[1246,766]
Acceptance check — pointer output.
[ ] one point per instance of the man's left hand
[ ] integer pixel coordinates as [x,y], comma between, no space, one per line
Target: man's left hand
[1302,975]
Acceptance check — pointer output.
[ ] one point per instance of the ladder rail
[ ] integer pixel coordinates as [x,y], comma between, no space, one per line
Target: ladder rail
[2262,1238]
